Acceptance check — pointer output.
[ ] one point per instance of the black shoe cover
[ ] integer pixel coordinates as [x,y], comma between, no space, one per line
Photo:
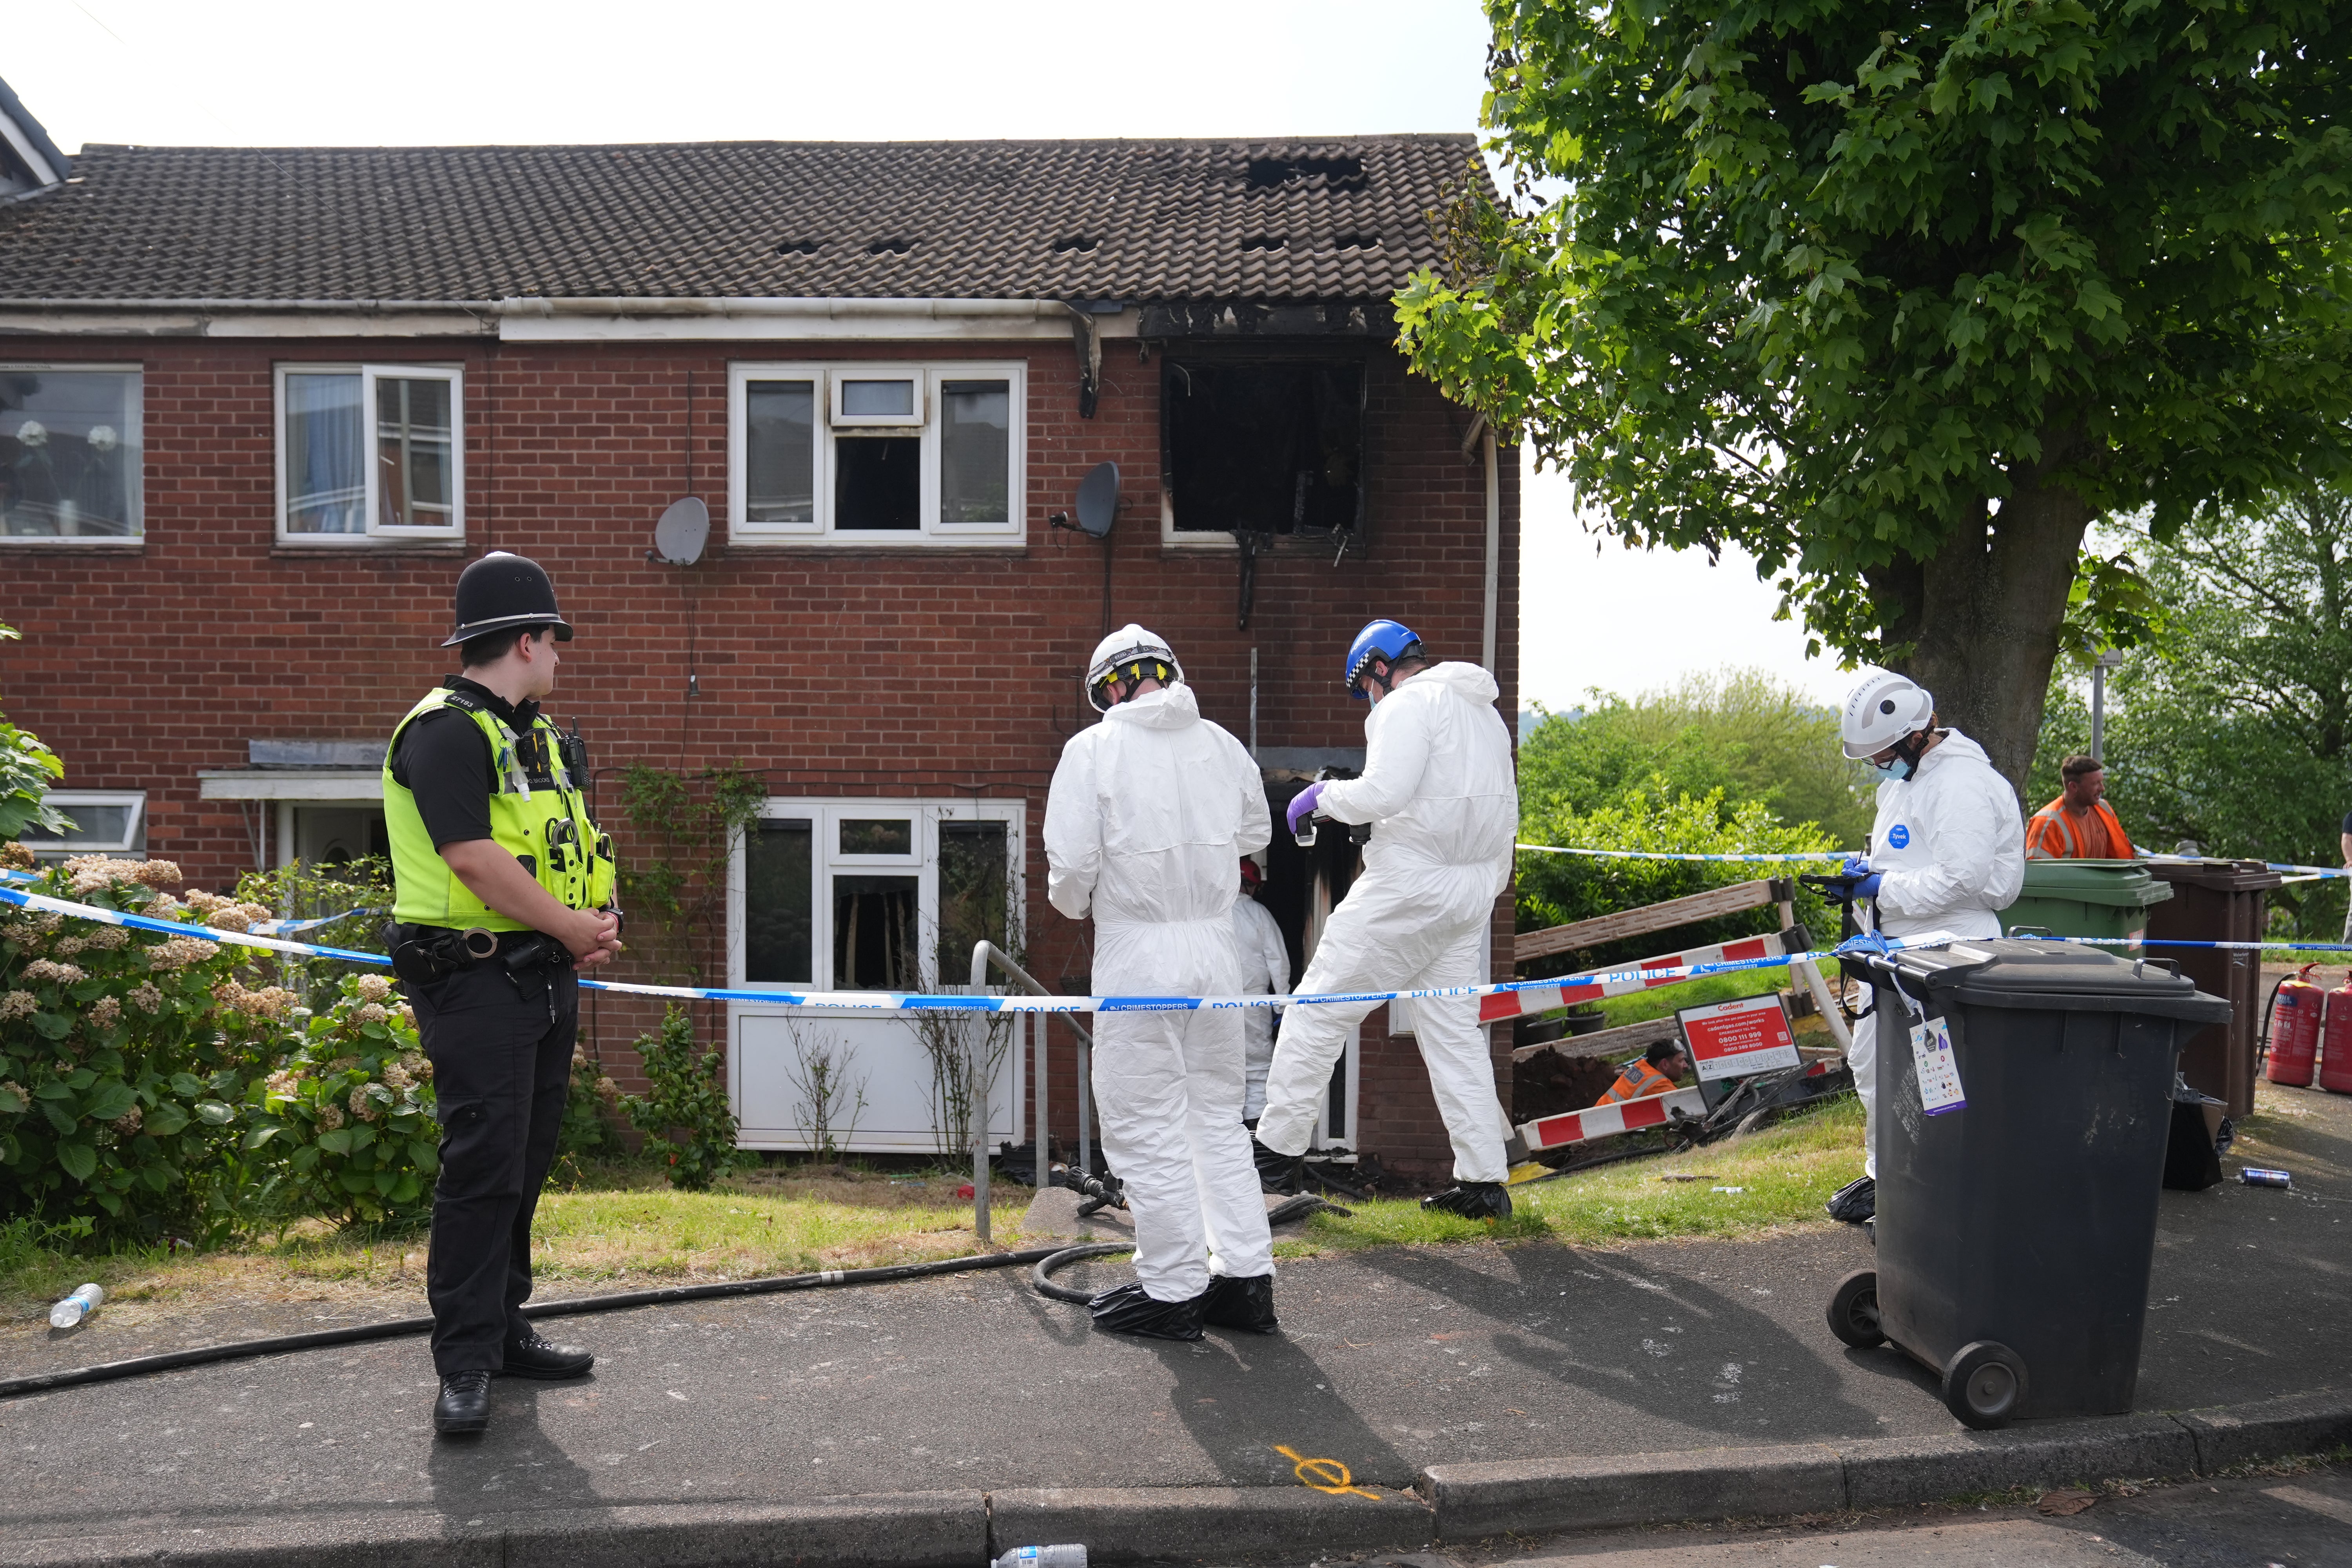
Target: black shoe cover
[1855,1201]
[1247,1304]
[1276,1172]
[1128,1310]
[1472,1199]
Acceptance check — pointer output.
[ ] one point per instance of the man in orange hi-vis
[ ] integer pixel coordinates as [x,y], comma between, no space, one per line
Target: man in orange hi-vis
[2079,825]
[1656,1073]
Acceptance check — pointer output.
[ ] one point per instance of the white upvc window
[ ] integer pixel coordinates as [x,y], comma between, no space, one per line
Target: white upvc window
[866,895]
[877,452]
[71,454]
[371,452]
[105,822]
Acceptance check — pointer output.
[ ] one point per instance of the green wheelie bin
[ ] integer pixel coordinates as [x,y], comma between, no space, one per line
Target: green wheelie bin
[2084,898]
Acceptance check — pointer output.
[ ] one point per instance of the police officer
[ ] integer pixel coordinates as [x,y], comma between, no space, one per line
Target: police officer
[502,885]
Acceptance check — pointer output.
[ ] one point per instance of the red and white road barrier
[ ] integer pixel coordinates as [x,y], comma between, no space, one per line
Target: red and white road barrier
[1544,998]
[1607,1120]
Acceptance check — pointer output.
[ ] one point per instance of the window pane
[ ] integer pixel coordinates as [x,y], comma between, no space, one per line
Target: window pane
[874,933]
[70,453]
[94,827]
[779,461]
[877,836]
[877,482]
[975,441]
[1269,448]
[877,399]
[413,480]
[326,490]
[779,903]
[975,886]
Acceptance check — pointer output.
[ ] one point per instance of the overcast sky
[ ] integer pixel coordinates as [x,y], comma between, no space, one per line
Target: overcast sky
[256,72]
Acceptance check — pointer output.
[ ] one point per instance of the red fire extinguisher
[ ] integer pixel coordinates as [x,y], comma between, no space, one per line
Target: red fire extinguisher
[2295,1007]
[2336,1041]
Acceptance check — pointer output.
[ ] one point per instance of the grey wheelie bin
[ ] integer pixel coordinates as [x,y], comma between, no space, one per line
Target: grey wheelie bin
[2016,1228]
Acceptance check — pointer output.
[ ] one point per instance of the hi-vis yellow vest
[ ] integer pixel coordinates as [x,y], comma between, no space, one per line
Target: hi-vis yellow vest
[548,831]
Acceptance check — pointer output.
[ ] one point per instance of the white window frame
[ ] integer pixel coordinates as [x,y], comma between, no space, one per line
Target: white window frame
[137,476]
[928,376]
[369,374]
[134,836]
[825,817]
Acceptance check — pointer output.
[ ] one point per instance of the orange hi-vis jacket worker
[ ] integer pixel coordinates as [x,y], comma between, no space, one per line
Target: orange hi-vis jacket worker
[2079,825]
[1645,1078]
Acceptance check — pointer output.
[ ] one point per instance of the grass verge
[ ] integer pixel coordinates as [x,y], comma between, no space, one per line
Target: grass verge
[1785,1174]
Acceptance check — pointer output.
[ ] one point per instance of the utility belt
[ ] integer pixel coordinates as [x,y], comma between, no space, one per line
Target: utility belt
[421,954]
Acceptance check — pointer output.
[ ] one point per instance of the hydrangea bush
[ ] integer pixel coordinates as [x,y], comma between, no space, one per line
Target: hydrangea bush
[123,1055]
[344,1125]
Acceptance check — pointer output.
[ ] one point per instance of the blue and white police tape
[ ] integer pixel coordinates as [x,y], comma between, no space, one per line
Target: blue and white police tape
[1665,855]
[286,928]
[2267,865]
[920,1002]
[2182,942]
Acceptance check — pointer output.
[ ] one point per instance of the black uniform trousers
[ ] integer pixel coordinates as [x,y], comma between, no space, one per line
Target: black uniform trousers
[500,1045]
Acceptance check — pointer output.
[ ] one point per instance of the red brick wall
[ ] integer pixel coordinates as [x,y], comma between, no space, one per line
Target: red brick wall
[839,672]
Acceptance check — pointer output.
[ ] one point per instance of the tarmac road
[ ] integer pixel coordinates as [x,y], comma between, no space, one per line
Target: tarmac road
[2264,1521]
[1391,1361]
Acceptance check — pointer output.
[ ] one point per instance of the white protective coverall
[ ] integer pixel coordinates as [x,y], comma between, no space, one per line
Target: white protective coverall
[1444,806]
[1266,971]
[1949,843]
[1150,814]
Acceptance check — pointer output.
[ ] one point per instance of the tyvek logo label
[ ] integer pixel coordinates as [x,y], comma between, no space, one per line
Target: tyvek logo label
[1898,835]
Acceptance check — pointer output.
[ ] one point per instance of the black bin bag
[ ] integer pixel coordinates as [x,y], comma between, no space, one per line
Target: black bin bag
[2016,1229]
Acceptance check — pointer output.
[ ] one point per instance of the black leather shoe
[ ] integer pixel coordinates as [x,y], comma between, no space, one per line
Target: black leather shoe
[534,1357]
[465,1402]
[1247,1304]
[1130,1310]
[1473,1200]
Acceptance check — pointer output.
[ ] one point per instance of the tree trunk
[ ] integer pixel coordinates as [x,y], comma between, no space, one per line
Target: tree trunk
[1982,615]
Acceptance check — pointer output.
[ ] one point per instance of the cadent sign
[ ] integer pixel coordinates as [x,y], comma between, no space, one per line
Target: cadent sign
[1732,1039]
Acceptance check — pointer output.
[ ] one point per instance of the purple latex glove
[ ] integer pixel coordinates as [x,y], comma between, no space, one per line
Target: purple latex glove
[1302,803]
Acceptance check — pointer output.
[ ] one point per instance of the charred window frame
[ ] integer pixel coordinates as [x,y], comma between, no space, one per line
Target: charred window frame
[1267,445]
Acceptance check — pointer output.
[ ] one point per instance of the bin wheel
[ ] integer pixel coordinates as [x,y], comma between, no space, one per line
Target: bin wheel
[1854,1310]
[1984,1385]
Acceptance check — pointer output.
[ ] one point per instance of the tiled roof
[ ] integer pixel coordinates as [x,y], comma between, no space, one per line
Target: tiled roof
[1333,219]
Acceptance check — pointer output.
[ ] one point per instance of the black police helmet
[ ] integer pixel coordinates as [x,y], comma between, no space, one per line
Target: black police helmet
[502,591]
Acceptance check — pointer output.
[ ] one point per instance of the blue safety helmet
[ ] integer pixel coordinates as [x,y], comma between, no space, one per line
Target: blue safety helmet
[1389,640]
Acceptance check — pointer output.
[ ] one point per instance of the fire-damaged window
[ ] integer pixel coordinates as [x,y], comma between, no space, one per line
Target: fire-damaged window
[1263,446]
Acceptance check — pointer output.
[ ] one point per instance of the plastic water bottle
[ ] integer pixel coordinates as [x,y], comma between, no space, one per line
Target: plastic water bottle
[76,1306]
[1044,1557]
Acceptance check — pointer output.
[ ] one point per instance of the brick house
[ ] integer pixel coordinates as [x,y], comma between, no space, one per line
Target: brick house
[886,369]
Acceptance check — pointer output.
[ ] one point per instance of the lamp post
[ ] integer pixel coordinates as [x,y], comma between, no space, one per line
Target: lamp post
[2100,665]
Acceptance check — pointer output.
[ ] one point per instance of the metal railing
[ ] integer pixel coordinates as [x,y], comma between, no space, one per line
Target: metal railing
[985,956]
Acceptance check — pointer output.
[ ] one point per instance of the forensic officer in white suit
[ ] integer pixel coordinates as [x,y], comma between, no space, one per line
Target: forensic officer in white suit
[1148,815]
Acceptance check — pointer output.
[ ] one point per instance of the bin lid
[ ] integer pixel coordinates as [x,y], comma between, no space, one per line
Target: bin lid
[2219,876]
[2124,883]
[2057,976]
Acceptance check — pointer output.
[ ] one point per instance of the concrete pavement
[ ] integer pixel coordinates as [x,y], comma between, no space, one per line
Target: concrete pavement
[916,1417]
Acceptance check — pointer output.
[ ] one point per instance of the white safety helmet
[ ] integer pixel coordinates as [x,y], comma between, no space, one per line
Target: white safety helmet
[1130,653]
[1882,710]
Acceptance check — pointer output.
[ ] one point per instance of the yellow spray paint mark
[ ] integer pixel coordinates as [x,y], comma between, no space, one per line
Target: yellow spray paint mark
[1324,1475]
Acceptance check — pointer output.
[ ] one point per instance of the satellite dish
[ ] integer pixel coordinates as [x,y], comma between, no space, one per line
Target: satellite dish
[1098,499]
[684,529]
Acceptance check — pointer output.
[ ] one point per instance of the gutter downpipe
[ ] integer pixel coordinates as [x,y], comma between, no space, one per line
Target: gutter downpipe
[1494,553]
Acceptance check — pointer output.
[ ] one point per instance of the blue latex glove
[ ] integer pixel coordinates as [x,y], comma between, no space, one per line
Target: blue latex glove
[1855,865]
[1865,881]
[1302,803]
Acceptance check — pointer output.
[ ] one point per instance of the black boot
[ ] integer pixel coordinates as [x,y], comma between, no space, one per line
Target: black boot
[1247,1304]
[1130,1310]
[1855,1201]
[1276,1172]
[534,1357]
[1472,1199]
[465,1402]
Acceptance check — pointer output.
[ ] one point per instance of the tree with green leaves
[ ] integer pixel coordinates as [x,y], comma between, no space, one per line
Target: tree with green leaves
[1899,299]
[2236,730]
[29,769]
